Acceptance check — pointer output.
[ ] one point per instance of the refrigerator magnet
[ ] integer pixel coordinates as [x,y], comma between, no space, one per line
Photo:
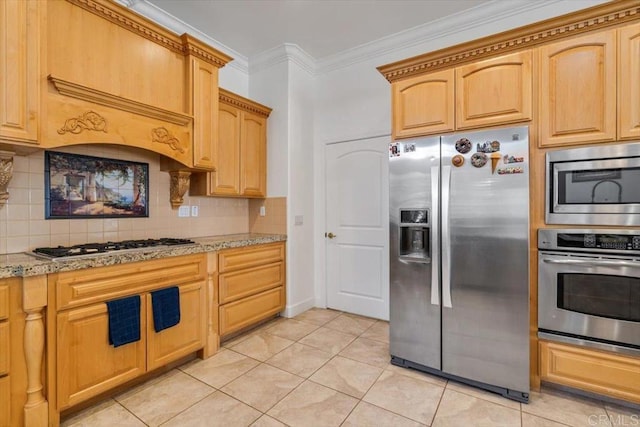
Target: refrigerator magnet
[394,149]
[463,145]
[479,160]
[512,159]
[511,170]
[495,158]
[457,160]
[488,147]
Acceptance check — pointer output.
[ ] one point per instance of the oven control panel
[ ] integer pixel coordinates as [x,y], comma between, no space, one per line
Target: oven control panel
[590,240]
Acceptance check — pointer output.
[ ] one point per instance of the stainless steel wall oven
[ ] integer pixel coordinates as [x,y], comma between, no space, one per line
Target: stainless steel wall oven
[594,185]
[589,288]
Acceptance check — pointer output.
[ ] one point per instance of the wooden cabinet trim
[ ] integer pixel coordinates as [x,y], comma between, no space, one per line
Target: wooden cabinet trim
[4,301]
[555,29]
[629,82]
[6,348]
[242,103]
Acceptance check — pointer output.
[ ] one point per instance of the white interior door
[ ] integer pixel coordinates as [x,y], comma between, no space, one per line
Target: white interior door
[357,214]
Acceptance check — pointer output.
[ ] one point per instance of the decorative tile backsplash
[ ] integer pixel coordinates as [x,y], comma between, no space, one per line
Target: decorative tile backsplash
[23,227]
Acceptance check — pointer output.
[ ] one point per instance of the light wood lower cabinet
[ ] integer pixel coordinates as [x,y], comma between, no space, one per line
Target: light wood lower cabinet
[5,350]
[596,371]
[5,399]
[86,364]
[251,285]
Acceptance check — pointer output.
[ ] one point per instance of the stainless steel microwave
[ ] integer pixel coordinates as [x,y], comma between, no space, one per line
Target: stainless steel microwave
[594,185]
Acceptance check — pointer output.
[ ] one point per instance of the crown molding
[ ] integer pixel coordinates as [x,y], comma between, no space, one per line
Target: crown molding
[165,19]
[243,103]
[448,26]
[598,17]
[285,52]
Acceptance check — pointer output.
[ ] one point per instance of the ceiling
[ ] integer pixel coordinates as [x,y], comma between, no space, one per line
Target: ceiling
[320,27]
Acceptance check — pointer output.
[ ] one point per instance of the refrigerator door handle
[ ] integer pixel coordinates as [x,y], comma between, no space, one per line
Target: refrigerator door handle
[435,236]
[446,238]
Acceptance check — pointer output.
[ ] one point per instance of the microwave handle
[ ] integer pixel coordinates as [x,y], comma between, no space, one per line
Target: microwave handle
[593,263]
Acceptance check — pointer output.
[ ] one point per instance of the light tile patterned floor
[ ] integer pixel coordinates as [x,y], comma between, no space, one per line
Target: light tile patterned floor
[326,368]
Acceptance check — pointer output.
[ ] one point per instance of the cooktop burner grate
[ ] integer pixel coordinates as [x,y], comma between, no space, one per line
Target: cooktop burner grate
[98,248]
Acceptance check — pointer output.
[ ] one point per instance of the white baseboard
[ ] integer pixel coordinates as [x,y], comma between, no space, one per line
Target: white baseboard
[295,309]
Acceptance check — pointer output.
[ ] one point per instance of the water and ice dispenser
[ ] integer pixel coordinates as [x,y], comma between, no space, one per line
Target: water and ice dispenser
[415,238]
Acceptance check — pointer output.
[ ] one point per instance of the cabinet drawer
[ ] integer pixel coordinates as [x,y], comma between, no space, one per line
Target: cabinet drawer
[4,301]
[243,283]
[4,345]
[87,286]
[87,364]
[600,372]
[239,314]
[235,259]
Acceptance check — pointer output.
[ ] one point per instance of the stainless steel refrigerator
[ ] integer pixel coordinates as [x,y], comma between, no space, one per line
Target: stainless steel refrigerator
[459,257]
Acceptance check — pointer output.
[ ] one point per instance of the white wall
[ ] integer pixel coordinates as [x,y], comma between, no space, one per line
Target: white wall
[283,83]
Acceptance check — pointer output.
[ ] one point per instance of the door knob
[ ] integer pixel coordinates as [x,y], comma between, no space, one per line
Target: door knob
[330,235]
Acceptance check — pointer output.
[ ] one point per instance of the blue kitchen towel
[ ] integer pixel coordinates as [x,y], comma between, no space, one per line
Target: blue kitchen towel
[124,320]
[166,308]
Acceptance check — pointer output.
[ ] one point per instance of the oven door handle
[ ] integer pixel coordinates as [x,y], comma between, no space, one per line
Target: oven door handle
[593,263]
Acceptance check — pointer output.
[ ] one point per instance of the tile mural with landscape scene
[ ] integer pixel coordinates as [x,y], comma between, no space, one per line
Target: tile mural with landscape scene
[79,186]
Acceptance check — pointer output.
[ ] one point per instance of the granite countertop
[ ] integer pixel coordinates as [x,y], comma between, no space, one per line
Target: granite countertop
[24,264]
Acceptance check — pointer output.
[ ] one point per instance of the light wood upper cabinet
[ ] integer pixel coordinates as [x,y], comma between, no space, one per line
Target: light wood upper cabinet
[577,101]
[20,65]
[629,82]
[241,152]
[205,113]
[423,105]
[495,91]
[253,155]
[226,178]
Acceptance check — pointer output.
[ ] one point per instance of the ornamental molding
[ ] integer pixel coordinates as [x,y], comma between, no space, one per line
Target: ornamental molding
[163,136]
[145,28]
[179,184]
[6,173]
[85,93]
[90,121]
[599,17]
[245,104]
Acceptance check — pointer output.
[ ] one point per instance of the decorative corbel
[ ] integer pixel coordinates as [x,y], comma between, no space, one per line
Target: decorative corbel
[179,186]
[6,173]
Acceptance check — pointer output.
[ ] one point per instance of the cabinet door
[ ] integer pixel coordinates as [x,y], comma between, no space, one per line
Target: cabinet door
[495,91]
[423,105]
[205,114]
[20,65]
[87,364]
[253,155]
[186,337]
[578,90]
[226,178]
[629,82]
[5,399]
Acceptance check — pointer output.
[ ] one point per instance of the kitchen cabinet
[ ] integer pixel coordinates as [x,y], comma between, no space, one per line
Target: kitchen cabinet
[485,93]
[5,388]
[629,82]
[20,62]
[251,285]
[495,91]
[241,170]
[587,369]
[577,99]
[423,105]
[85,363]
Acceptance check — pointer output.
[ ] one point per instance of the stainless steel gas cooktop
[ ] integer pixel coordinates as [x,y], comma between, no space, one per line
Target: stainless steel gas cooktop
[92,249]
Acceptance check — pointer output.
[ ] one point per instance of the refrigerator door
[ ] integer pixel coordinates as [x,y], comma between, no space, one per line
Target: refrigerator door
[414,249]
[485,265]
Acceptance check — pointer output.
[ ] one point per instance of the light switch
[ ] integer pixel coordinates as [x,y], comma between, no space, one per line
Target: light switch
[299,220]
[194,210]
[263,211]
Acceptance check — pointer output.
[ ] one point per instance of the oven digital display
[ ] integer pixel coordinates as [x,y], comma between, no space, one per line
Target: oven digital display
[598,241]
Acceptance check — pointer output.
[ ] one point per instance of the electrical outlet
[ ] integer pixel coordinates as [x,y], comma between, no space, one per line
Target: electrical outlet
[184,211]
[263,211]
[194,210]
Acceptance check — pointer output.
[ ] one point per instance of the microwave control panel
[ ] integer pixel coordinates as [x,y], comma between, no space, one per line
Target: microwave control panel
[602,240]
